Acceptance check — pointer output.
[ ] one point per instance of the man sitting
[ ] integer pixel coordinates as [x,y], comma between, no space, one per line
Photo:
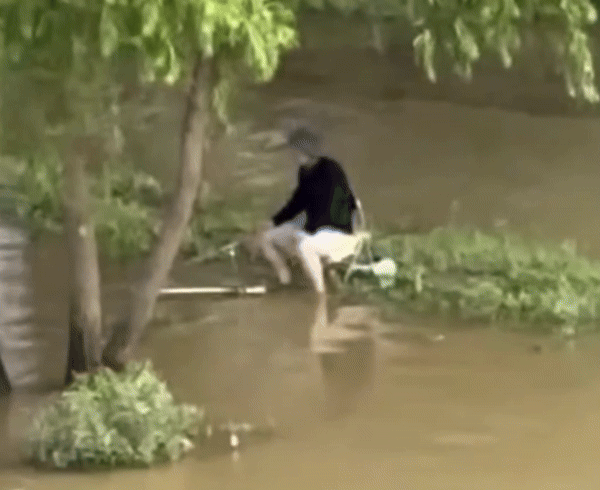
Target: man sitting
[324,195]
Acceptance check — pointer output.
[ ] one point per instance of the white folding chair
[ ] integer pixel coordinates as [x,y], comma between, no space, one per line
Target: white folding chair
[362,247]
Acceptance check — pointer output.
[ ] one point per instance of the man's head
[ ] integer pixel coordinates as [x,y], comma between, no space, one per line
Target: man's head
[305,144]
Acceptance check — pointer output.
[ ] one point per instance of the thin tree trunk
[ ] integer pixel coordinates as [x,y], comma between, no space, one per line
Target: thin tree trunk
[85,325]
[376,36]
[4,381]
[125,338]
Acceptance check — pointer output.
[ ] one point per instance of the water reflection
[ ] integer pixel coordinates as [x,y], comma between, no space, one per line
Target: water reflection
[278,357]
[348,375]
[345,348]
[474,398]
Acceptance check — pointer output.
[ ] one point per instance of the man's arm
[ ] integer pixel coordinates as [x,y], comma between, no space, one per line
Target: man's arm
[294,206]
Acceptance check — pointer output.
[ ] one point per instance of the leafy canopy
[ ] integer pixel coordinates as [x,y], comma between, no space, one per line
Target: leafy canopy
[465,29]
[166,32]
[73,37]
[62,34]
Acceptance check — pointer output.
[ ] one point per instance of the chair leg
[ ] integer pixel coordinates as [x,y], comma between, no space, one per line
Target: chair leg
[360,248]
[333,282]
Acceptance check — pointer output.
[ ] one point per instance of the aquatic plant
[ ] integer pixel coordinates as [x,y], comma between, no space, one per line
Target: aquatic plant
[113,419]
[495,276]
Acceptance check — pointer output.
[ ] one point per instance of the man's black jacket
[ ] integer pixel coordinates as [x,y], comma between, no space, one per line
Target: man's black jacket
[324,193]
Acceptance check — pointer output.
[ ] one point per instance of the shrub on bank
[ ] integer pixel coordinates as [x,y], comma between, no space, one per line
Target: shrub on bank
[106,419]
[495,276]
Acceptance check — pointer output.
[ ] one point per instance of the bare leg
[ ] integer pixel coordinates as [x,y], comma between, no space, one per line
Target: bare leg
[275,259]
[285,237]
[325,337]
[334,246]
[319,338]
[311,262]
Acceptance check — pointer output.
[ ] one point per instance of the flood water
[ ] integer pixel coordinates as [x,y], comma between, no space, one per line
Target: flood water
[479,410]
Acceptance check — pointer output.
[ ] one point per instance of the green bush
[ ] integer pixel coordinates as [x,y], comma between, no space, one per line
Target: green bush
[113,419]
[494,276]
[126,206]
[40,185]
[124,229]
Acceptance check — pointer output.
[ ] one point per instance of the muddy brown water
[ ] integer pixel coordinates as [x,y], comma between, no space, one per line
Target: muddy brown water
[479,410]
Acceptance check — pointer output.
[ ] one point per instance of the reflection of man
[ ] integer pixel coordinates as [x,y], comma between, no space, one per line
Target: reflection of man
[327,337]
[346,356]
[324,195]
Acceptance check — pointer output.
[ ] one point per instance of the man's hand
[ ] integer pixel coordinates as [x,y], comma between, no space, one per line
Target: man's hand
[252,241]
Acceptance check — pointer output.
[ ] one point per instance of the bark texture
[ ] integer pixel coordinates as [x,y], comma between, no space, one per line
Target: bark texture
[126,337]
[85,322]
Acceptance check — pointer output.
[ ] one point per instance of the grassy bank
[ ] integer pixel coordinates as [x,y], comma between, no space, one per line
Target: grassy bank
[468,273]
[492,276]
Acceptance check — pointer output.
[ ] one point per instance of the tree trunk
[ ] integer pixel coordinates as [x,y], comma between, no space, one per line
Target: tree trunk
[376,35]
[85,322]
[125,338]
[4,381]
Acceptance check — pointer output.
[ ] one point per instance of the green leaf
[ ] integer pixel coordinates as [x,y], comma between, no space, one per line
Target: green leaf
[206,30]
[424,46]
[466,40]
[150,18]
[505,56]
[257,54]
[27,10]
[161,59]
[591,14]
[221,96]
[109,33]
[175,69]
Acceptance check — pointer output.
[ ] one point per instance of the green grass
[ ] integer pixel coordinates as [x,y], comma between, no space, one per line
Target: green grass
[108,419]
[126,205]
[493,276]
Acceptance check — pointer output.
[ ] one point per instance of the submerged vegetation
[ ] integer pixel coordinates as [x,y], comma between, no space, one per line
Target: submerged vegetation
[126,208]
[496,276]
[493,276]
[106,419]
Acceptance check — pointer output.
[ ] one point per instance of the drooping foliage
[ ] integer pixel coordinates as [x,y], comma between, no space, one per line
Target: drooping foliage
[465,30]
[74,38]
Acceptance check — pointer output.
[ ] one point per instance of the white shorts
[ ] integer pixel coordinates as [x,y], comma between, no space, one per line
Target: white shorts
[329,243]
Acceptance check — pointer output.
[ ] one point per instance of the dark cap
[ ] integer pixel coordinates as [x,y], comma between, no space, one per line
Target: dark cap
[306,141]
